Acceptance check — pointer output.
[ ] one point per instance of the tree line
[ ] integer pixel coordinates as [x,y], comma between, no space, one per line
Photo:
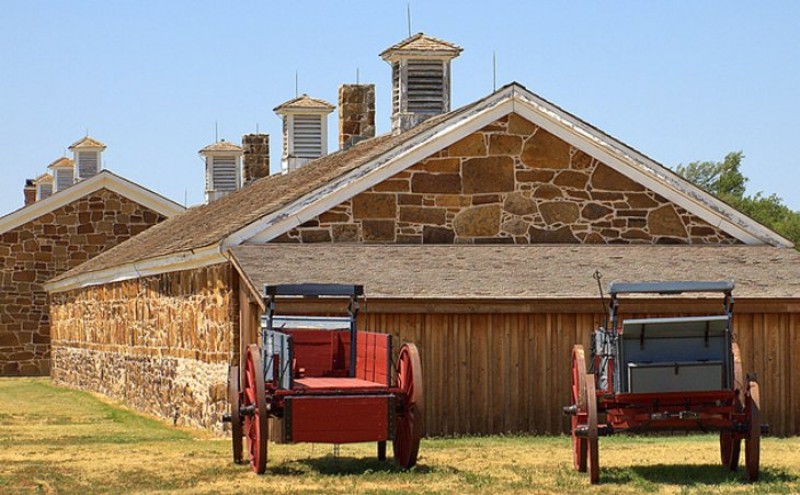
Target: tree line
[725,180]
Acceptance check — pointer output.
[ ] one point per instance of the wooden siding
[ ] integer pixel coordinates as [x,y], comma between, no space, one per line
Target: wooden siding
[496,373]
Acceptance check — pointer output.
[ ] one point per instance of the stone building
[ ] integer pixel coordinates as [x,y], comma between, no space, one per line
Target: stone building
[475,232]
[90,211]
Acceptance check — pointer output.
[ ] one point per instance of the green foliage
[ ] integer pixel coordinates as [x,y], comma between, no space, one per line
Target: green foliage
[726,181]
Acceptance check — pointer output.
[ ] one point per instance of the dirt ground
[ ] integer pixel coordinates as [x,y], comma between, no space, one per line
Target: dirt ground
[55,440]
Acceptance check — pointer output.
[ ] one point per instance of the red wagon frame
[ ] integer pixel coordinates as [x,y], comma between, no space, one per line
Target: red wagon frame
[717,396]
[319,379]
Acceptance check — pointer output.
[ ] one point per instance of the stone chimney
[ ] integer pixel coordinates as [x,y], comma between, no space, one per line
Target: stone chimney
[256,157]
[356,113]
[87,157]
[420,79]
[223,169]
[29,191]
[305,130]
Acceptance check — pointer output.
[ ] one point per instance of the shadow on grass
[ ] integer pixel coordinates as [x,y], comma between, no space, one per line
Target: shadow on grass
[348,465]
[692,474]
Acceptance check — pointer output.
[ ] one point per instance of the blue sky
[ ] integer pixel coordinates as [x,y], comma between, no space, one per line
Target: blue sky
[679,81]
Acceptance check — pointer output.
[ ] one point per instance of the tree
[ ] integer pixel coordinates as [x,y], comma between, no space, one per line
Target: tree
[726,181]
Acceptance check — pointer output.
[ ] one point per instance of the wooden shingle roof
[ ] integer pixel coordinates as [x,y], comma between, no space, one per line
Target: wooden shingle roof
[211,223]
[221,146]
[304,102]
[61,162]
[422,43]
[518,272]
[271,206]
[87,142]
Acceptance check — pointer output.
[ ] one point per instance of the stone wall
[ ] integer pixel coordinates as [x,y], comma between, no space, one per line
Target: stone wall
[511,182]
[162,343]
[37,251]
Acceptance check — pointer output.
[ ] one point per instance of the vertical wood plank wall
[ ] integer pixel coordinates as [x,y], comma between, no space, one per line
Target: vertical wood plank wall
[510,372]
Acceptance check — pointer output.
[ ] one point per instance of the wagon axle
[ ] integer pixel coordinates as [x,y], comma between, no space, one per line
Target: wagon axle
[248,411]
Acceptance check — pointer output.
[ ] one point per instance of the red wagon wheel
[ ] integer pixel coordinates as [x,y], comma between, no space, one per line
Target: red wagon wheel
[591,439]
[579,444]
[408,426]
[236,419]
[256,426]
[730,447]
[752,443]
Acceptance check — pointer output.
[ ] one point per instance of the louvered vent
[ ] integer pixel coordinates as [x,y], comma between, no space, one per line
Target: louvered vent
[426,86]
[307,130]
[87,164]
[395,87]
[63,178]
[224,173]
[45,191]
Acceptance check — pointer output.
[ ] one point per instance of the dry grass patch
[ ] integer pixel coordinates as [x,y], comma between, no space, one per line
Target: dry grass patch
[55,440]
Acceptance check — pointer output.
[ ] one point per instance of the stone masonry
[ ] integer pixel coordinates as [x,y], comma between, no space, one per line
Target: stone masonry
[510,182]
[255,160]
[356,113]
[37,251]
[162,344]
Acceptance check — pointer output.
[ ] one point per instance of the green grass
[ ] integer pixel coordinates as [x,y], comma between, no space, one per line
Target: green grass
[56,440]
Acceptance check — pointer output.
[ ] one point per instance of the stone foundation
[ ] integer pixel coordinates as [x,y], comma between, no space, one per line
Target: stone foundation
[187,391]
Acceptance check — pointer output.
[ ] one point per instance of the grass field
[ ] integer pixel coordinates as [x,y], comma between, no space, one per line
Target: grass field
[54,440]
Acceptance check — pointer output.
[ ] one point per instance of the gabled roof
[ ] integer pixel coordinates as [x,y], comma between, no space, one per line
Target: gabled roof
[273,205]
[61,162]
[422,44]
[221,146]
[304,102]
[105,179]
[505,272]
[87,143]
[45,177]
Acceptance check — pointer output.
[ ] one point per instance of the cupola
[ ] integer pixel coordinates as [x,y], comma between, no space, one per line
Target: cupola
[63,170]
[87,157]
[44,186]
[223,169]
[420,79]
[305,130]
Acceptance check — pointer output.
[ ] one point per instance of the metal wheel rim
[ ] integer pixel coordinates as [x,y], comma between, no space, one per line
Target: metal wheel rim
[752,443]
[408,426]
[579,445]
[236,420]
[591,417]
[256,426]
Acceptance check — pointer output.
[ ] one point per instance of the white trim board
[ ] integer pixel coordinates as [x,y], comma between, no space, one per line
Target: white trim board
[105,179]
[511,98]
[517,99]
[187,260]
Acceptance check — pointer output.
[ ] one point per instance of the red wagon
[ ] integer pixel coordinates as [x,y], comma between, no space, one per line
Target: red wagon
[665,374]
[318,379]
